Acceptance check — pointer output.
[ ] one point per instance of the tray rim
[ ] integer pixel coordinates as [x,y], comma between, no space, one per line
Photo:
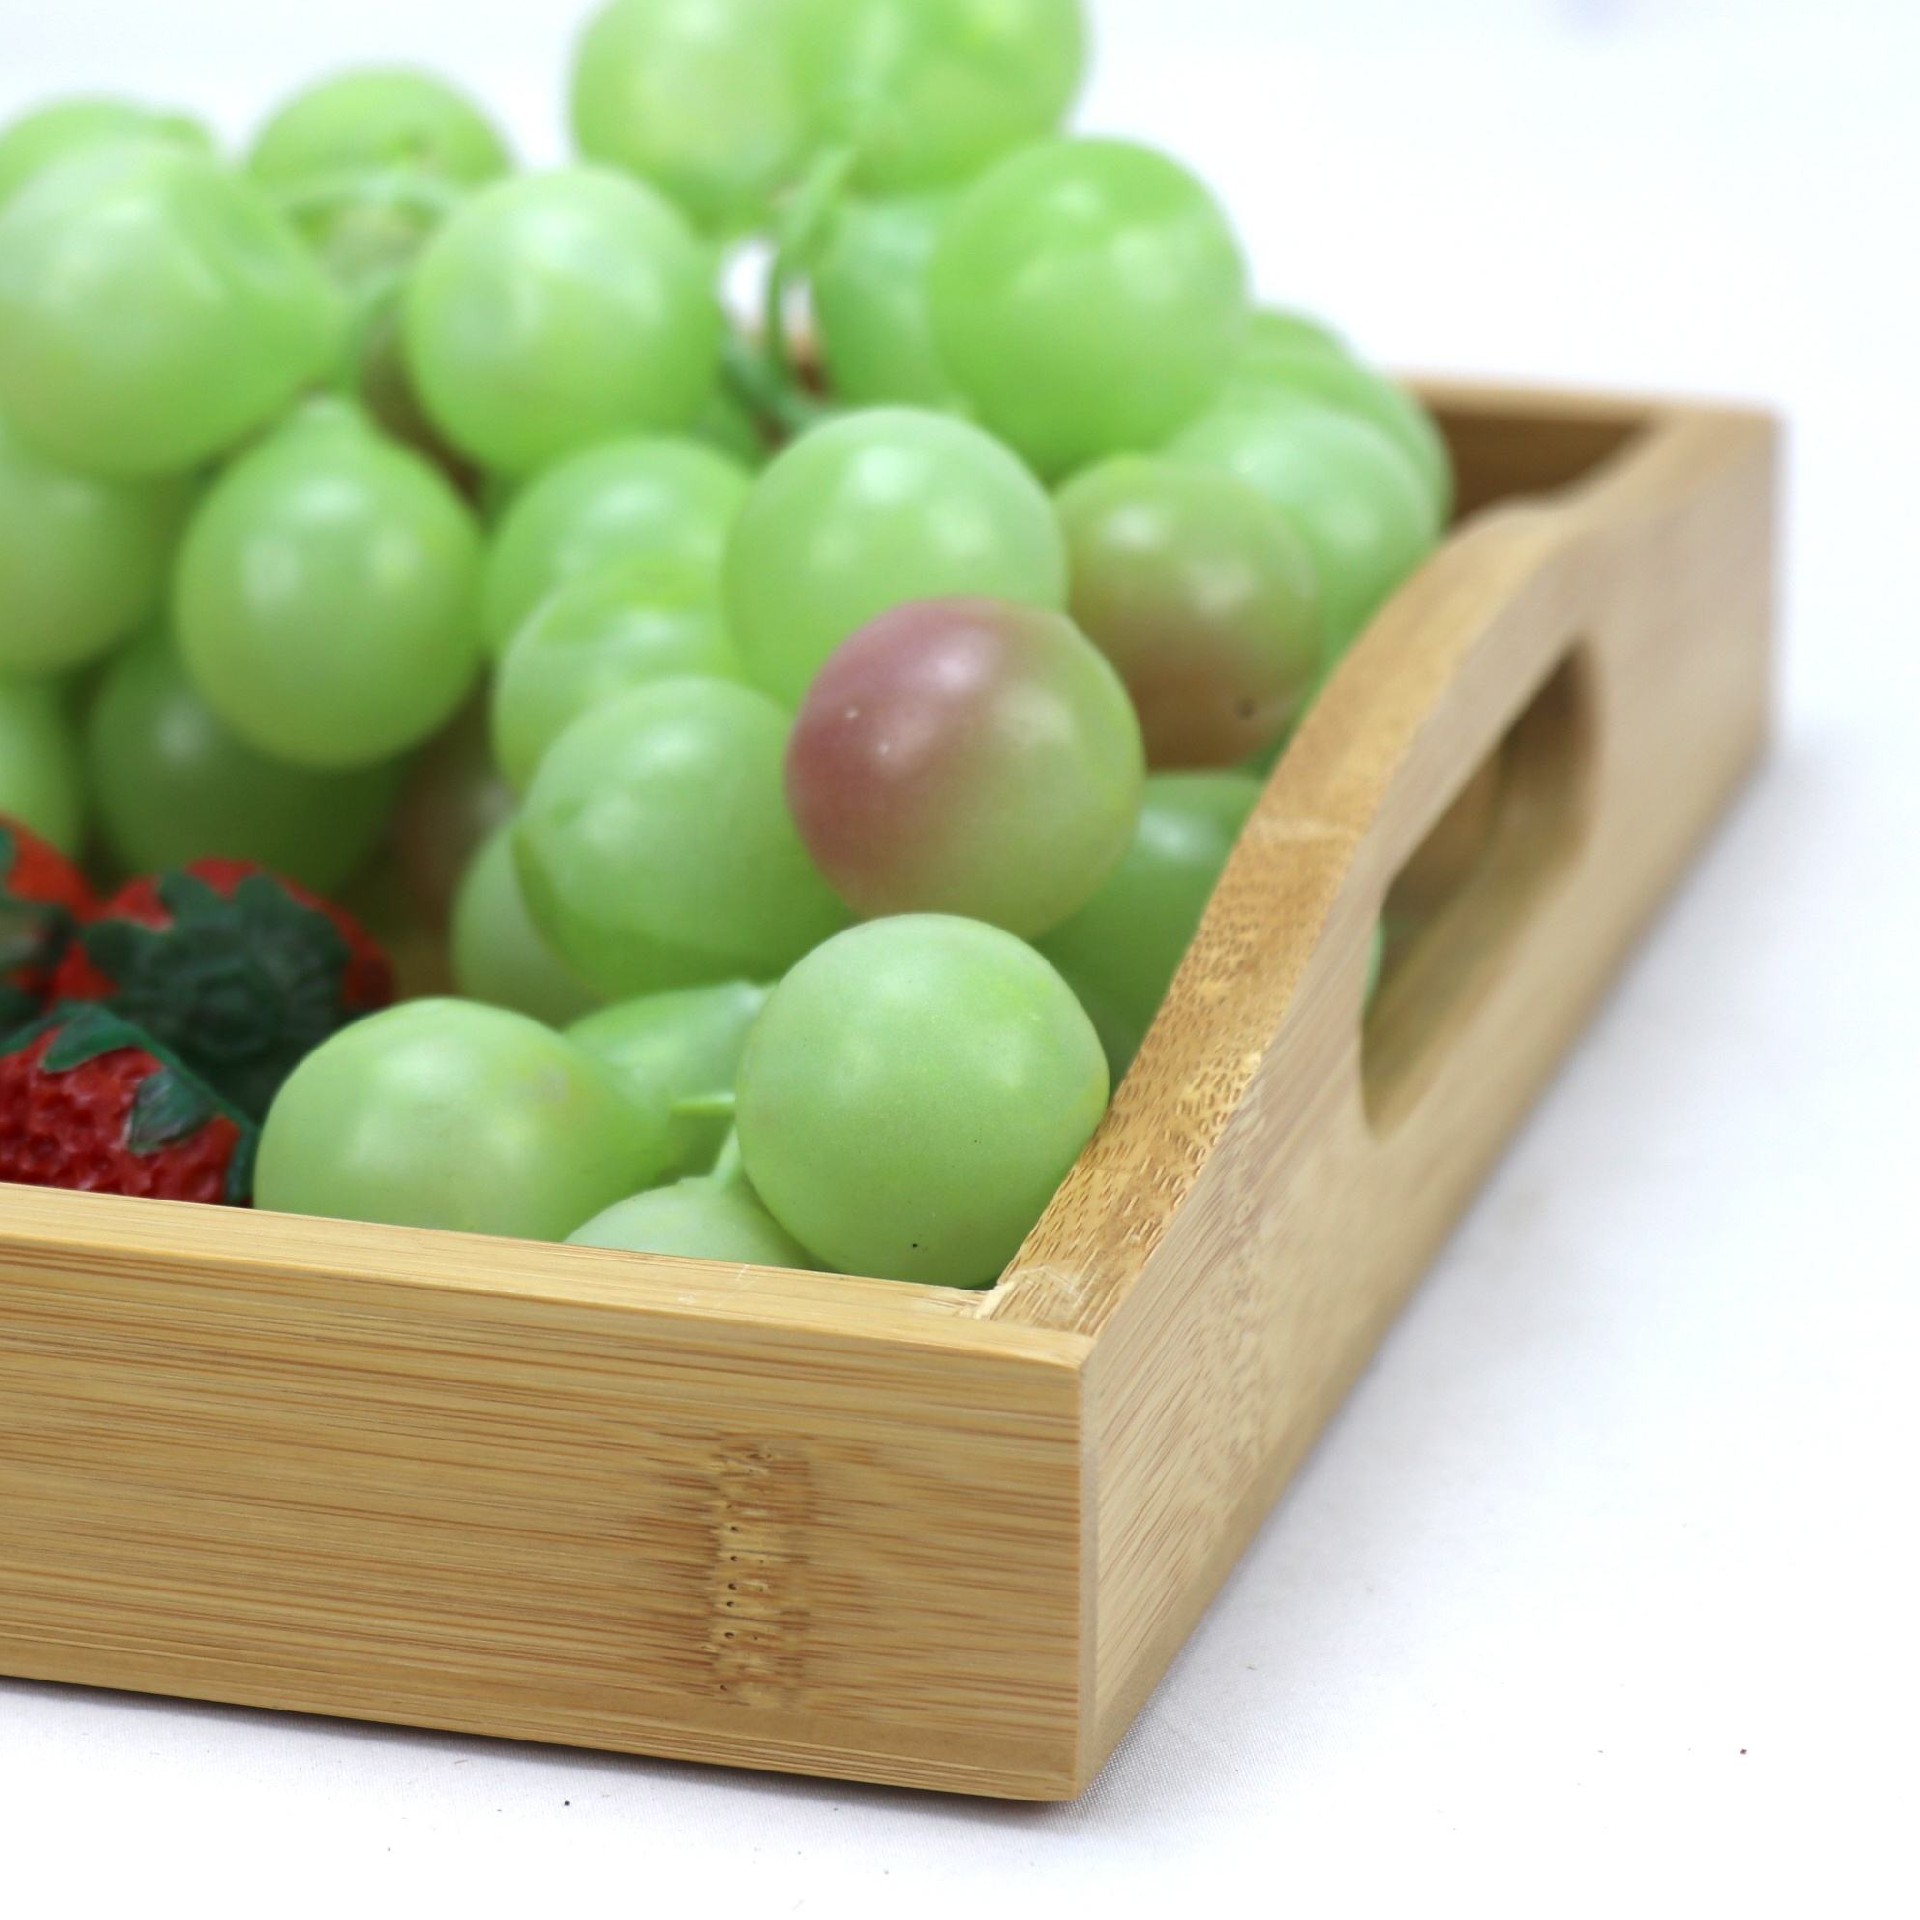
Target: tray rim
[1099,1433]
[1011,1317]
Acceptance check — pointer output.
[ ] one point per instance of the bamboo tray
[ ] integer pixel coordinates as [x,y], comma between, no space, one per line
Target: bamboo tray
[885,1532]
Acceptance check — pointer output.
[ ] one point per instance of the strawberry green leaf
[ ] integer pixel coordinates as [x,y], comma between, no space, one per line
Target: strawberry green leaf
[90,1033]
[171,1106]
[242,987]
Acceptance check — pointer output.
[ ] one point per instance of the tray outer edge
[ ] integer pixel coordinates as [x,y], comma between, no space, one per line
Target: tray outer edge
[1233,1308]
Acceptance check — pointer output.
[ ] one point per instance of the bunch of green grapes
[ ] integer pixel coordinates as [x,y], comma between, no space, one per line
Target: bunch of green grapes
[815,725]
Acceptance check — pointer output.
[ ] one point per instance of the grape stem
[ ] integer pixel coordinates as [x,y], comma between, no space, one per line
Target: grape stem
[399,188]
[777,403]
[768,379]
[730,1170]
[797,236]
[369,309]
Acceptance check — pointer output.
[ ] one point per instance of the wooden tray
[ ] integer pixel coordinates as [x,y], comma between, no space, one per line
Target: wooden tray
[886,1532]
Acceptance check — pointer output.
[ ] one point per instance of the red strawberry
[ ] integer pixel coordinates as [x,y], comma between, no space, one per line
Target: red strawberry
[91,1103]
[241,973]
[43,898]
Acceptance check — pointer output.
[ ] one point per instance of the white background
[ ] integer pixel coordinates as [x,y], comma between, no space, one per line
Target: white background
[1600,1594]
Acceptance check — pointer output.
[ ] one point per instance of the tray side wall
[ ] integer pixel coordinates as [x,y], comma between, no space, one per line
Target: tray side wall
[542,1519]
[1305,1227]
[832,1527]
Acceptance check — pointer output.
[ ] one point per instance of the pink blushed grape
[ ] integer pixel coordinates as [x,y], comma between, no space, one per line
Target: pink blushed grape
[1199,591]
[967,757]
[1353,496]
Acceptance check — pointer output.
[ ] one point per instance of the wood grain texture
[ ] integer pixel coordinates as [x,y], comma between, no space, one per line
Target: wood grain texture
[896,1533]
[1243,1231]
[470,1485]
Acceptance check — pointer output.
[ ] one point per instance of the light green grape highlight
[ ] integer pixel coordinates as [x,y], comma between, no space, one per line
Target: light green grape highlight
[656,499]
[445,1114]
[154,310]
[913,1095]
[869,512]
[172,783]
[599,635]
[499,956]
[83,561]
[656,848]
[327,601]
[40,775]
[559,309]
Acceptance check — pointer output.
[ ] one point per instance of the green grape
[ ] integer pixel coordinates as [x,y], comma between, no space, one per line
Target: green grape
[63,129]
[1351,494]
[1278,335]
[872,511]
[930,92]
[368,235]
[382,382]
[1089,298]
[552,312]
[1351,388]
[967,757]
[696,96]
[154,311]
[1120,952]
[172,784]
[913,1095]
[376,120]
[327,597]
[872,304]
[83,561]
[658,499]
[444,1114]
[1199,591]
[40,779]
[499,956]
[453,801]
[600,634]
[697,1220]
[656,848]
[679,1054]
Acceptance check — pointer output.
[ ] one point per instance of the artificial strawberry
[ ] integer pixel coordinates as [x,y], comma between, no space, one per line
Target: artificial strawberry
[89,1102]
[239,972]
[43,898]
